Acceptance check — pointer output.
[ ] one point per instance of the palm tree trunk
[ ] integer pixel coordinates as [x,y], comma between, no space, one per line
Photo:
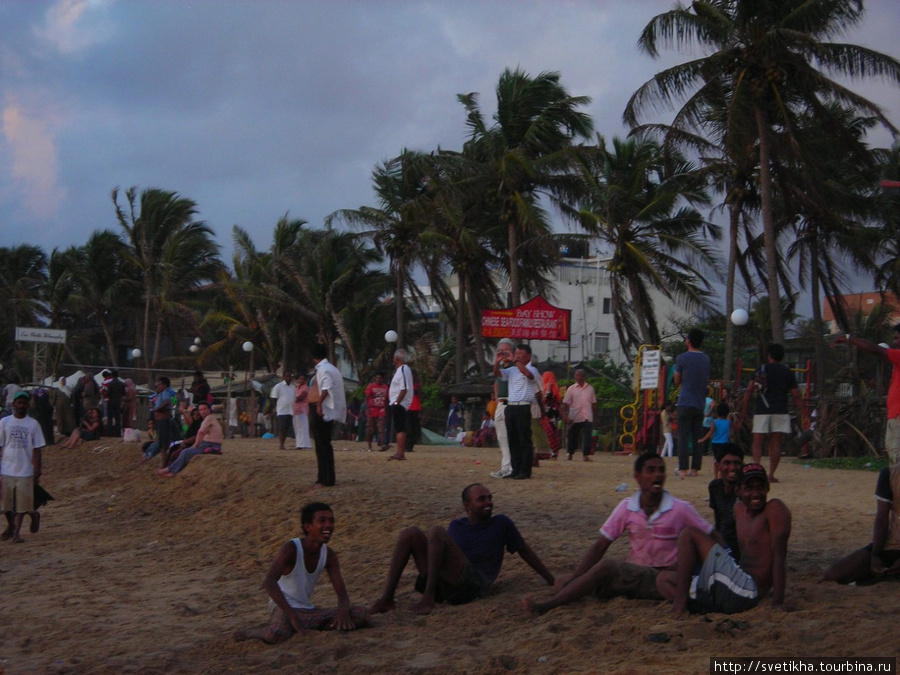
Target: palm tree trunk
[460,328]
[818,324]
[109,342]
[734,214]
[401,333]
[475,323]
[769,240]
[513,263]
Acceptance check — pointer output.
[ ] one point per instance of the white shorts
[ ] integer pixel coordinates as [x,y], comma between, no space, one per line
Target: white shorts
[771,424]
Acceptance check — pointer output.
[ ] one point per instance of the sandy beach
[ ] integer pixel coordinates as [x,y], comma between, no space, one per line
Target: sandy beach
[135,574]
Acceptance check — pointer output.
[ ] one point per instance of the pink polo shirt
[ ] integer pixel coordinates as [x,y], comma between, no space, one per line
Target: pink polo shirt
[893,397]
[654,539]
[581,403]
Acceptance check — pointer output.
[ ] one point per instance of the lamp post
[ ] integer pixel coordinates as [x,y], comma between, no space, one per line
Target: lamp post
[739,318]
[248,347]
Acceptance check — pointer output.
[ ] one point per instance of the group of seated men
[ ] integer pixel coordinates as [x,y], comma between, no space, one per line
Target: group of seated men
[674,556]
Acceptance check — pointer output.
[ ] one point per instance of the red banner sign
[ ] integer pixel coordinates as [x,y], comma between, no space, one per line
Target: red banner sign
[537,319]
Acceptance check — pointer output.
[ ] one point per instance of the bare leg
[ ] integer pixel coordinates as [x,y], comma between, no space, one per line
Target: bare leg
[855,567]
[18,519]
[693,547]
[445,561]
[774,455]
[757,446]
[599,575]
[401,445]
[411,542]
[10,527]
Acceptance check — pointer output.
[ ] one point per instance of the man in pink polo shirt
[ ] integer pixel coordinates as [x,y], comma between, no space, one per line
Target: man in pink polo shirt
[578,413]
[653,519]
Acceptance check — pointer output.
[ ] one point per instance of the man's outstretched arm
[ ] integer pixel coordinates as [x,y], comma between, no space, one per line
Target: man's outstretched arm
[780,530]
[535,563]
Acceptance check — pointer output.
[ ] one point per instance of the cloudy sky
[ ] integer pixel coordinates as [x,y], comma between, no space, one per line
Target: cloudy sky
[255,109]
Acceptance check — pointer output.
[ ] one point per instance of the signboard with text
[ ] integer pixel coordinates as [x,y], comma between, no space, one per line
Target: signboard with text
[650,362]
[537,319]
[53,336]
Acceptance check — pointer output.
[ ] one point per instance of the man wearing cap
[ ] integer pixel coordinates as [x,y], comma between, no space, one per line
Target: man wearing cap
[892,356]
[723,585]
[21,441]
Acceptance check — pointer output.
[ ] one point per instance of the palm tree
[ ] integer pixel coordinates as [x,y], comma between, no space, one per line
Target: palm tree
[775,59]
[23,276]
[637,200]
[172,255]
[521,154]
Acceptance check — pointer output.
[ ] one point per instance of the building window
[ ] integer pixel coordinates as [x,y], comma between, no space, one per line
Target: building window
[590,301]
[601,343]
[607,305]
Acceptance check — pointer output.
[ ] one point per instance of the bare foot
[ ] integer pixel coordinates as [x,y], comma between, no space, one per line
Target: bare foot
[7,533]
[587,459]
[164,473]
[18,540]
[694,473]
[683,474]
[772,479]
[397,457]
[679,607]
[531,607]
[425,606]
[381,606]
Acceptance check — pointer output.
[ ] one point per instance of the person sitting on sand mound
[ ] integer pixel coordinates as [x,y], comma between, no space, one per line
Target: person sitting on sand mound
[292,576]
[458,564]
[653,519]
[208,442]
[881,558]
[723,585]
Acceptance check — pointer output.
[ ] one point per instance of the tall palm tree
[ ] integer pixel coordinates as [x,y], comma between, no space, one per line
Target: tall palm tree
[523,153]
[172,253]
[775,58]
[637,200]
[23,276]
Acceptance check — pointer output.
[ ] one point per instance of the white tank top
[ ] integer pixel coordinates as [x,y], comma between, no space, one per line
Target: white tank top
[298,584]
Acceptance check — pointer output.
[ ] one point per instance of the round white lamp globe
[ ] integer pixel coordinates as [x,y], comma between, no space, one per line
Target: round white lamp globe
[194,349]
[197,341]
[740,317]
[390,336]
[136,353]
[247,346]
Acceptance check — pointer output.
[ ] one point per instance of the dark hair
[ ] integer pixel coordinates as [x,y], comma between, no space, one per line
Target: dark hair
[723,409]
[522,345]
[776,351]
[643,459]
[308,511]
[695,335]
[465,492]
[206,403]
[165,380]
[731,449]
[319,351]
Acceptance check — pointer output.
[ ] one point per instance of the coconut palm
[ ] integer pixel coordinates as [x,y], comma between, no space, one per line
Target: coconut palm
[23,276]
[776,60]
[522,154]
[638,201]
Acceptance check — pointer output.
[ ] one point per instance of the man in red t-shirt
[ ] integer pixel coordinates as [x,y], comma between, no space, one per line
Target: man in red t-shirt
[376,408]
[892,356]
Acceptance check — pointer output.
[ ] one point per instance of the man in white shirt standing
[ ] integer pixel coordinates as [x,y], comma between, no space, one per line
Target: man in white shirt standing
[400,396]
[21,440]
[330,408]
[284,393]
[522,377]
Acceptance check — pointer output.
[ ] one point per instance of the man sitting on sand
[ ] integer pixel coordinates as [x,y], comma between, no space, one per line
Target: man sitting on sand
[458,565]
[881,558]
[208,442]
[763,529]
[653,519]
[292,576]
[723,494]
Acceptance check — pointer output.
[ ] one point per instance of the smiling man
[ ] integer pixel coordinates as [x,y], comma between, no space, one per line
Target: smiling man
[653,519]
[292,576]
[723,585]
[457,565]
[723,493]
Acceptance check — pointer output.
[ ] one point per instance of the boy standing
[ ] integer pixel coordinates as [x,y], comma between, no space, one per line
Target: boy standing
[21,441]
[292,576]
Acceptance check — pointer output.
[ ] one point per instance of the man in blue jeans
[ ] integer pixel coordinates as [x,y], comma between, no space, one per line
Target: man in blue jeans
[692,375]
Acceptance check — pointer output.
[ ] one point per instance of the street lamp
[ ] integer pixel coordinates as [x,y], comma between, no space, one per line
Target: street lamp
[739,318]
[248,347]
[390,336]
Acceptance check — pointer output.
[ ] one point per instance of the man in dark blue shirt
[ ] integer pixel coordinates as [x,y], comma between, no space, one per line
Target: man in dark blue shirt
[692,375]
[458,564]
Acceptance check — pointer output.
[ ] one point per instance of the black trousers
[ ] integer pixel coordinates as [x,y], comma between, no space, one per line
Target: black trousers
[690,431]
[113,419]
[324,450]
[518,429]
[582,431]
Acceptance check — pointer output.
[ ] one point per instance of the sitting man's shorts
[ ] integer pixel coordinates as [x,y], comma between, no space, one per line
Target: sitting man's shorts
[632,581]
[722,585]
[771,424]
[467,589]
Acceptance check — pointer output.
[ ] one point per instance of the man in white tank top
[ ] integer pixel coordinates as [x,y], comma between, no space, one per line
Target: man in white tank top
[292,577]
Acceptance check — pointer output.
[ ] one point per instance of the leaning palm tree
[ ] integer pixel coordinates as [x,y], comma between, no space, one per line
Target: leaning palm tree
[638,201]
[775,58]
[522,153]
[171,253]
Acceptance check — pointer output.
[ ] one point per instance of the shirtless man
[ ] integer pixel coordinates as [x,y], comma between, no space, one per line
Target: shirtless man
[763,529]
[208,442]
[458,564]
[292,576]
